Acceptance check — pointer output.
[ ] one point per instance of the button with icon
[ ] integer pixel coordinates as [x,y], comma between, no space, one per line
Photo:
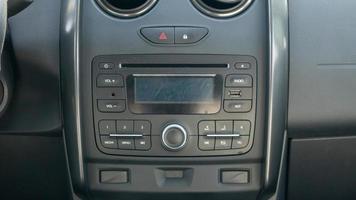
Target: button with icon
[224,127]
[159,35]
[206,127]
[106,65]
[142,127]
[124,127]
[189,35]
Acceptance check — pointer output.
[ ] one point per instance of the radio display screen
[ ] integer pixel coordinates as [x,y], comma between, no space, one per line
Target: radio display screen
[174,93]
[174,90]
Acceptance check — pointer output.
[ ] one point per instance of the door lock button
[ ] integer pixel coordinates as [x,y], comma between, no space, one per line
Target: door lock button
[189,35]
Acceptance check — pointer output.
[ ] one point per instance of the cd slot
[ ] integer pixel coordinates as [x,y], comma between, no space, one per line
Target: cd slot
[174,65]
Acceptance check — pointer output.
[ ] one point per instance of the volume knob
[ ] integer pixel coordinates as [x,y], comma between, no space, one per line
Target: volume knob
[174,137]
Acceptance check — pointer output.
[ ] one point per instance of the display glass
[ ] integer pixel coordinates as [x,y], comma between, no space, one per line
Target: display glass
[174,93]
[174,90]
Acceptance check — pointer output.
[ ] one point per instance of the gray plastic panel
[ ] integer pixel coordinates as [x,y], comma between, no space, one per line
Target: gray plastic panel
[35,106]
[322,67]
[322,168]
[150,179]
[33,167]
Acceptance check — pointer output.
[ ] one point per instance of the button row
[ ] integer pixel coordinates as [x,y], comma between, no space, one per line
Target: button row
[223,135]
[124,127]
[227,176]
[241,128]
[222,143]
[139,143]
[174,35]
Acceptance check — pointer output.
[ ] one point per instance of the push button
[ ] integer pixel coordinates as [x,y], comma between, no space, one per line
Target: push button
[242,65]
[109,142]
[111,105]
[106,65]
[142,127]
[107,127]
[110,81]
[234,177]
[143,143]
[224,127]
[124,127]
[242,127]
[189,35]
[206,127]
[126,143]
[238,81]
[236,106]
[240,142]
[223,143]
[159,35]
[206,143]
[114,177]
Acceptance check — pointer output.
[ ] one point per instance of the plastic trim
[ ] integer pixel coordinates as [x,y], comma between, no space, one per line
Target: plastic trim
[3,23]
[71,89]
[278,90]
[3,72]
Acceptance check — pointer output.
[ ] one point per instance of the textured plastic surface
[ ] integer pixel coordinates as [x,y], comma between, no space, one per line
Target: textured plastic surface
[33,167]
[322,169]
[35,106]
[322,67]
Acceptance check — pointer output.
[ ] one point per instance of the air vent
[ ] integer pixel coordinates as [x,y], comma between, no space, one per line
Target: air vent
[126,8]
[221,8]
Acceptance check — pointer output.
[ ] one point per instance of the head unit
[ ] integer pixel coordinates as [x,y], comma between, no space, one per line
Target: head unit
[174,105]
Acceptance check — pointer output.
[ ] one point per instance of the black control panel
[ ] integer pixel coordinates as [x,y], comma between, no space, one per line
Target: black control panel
[174,105]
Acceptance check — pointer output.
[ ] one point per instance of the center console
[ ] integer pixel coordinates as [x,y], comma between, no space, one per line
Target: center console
[173,97]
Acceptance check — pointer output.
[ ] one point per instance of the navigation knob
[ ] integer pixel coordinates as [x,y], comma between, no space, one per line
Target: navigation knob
[174,137]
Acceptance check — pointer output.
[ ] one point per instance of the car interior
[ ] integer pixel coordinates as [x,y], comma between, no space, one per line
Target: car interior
[178,99]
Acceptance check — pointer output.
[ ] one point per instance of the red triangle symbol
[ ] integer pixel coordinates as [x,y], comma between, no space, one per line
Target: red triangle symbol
[163,36]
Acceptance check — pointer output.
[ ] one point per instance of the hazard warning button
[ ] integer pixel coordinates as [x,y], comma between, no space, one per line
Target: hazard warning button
[159,35]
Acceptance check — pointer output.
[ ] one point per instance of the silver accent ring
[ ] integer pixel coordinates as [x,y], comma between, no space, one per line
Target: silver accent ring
[177,126]
[223,13]
[126,13]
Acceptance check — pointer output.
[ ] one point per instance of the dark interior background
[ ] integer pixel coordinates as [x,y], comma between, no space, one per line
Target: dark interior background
[321,156]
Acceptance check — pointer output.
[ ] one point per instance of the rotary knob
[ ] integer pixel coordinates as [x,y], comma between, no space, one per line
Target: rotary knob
[174,137]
